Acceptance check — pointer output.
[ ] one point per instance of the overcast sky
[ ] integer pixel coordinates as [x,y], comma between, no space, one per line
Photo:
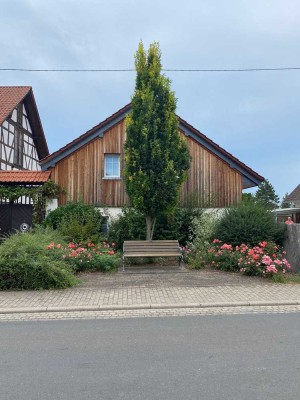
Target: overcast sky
[253,115]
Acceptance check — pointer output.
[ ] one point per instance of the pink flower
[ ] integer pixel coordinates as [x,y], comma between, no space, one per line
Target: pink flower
[226,247]
[263,244]
[71,246]
[272,269]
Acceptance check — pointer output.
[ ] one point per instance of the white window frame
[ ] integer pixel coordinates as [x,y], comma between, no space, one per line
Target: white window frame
[119,165]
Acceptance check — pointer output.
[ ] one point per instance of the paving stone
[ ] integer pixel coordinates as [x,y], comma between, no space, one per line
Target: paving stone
[153,290]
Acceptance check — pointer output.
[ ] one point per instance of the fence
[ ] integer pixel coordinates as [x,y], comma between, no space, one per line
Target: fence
[292,246]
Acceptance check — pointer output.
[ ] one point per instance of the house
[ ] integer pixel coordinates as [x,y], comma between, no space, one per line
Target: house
[294,197]
[22,140]
[22,146]
[294,207]
[90,168]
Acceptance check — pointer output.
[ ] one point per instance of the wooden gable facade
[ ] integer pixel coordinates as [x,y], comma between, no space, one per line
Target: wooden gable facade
[22,140]
[79,167]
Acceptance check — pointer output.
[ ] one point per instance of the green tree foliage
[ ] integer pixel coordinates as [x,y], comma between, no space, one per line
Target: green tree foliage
[284,202]
[156,157]
[247,197]
[249,223]
[266,195]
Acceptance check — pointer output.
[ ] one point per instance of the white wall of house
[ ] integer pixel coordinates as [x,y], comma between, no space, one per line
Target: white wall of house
[111,212]
[51,205]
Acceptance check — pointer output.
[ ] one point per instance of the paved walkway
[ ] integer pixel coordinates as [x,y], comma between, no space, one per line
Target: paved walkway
[141,289]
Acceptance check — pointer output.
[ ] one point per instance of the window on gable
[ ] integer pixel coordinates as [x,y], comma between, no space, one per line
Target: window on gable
[112,166]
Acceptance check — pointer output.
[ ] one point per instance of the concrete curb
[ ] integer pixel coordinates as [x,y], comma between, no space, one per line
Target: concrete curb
[148,306]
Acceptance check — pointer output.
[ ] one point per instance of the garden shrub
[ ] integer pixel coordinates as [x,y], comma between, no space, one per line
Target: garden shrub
[265,259]
[77,222]
[128,226]
[85,257]
[24,263]
[131,226]
[248,223]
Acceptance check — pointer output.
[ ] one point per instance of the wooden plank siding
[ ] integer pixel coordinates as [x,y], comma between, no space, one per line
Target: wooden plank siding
[81,174]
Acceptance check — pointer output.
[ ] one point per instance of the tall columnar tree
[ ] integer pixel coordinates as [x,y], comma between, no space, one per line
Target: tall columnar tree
[156,156]
[266,195]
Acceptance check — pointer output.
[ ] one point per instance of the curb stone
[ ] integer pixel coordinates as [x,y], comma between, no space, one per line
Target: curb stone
[147,306]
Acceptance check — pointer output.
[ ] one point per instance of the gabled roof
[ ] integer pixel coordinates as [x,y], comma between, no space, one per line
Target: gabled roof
[294,195]
[10,97]
[24,176]
[250,177]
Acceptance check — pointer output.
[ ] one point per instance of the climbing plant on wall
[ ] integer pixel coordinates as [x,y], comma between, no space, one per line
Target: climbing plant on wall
[38,194]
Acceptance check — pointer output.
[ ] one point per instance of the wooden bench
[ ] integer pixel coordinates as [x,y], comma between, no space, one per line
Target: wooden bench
[153,248]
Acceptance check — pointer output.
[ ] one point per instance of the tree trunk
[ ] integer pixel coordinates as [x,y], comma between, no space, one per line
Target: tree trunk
[150,224]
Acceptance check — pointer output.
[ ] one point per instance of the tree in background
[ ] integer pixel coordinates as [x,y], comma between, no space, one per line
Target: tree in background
[266,195]
[247,197]
[284,202]
[156,156]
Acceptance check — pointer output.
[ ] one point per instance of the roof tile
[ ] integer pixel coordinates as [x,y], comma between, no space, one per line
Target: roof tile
[10,97]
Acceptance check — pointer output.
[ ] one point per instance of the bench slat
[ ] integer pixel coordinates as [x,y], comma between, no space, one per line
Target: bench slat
[152,255]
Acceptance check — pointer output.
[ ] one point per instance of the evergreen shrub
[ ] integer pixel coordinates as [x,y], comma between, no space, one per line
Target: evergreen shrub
[77,222]
[248,223]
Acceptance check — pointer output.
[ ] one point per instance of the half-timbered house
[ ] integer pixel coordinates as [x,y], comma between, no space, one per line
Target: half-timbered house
[22,139]
[22,146]
[90,168]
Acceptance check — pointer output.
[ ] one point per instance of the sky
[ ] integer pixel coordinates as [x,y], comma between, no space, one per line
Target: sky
[253,115]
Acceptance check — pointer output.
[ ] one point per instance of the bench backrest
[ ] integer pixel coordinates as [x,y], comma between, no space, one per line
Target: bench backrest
[151,247]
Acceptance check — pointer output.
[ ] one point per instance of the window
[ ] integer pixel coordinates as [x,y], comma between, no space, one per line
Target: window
[112,166]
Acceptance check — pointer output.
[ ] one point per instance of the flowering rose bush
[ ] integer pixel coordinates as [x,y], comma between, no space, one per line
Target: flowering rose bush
[88,256]
[265,259]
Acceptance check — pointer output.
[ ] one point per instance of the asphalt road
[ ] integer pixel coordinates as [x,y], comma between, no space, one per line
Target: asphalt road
[238,357]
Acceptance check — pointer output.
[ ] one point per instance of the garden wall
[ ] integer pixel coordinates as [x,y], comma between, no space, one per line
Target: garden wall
[292,246]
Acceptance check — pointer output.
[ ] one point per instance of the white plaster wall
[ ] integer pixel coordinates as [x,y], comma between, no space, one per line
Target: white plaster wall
[111,212]
[51,205]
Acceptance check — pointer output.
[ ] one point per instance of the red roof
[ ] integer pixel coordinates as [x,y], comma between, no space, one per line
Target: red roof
[10,97]
[24,176]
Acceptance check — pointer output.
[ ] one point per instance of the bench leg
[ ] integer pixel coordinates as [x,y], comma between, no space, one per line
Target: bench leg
[123,260]
[181,262]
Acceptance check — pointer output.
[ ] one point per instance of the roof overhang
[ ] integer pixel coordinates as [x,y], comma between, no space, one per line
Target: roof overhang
[286,211]
[249,177]
[23,177]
